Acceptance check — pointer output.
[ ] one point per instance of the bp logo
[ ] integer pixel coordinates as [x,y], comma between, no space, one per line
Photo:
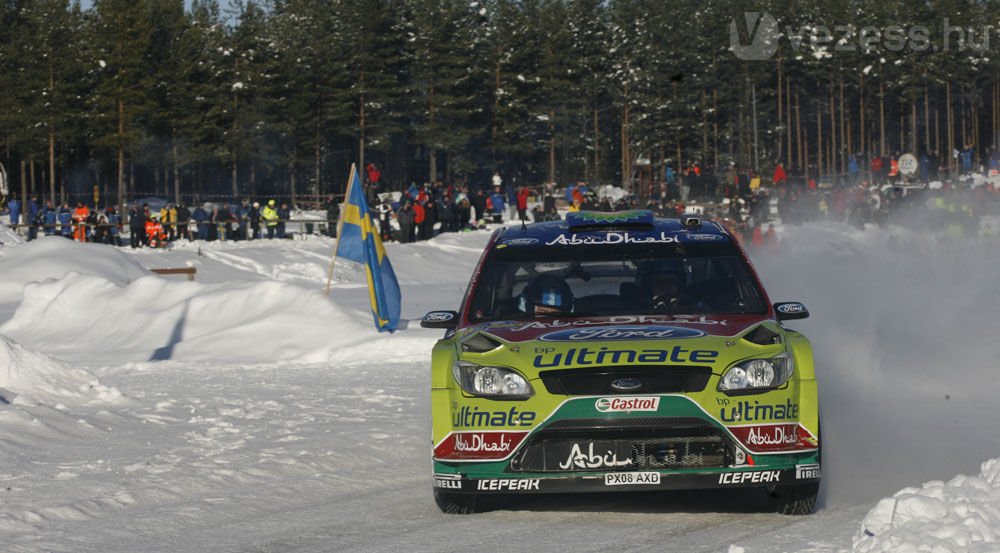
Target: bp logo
[613,217]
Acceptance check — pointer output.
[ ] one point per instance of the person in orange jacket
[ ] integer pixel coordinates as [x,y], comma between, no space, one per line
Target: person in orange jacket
[154,231]
[80,215]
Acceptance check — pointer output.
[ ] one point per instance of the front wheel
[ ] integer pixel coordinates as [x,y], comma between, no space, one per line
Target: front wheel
[793,499]
[456,503]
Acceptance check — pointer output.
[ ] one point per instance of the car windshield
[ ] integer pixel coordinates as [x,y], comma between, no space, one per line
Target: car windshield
[518,283]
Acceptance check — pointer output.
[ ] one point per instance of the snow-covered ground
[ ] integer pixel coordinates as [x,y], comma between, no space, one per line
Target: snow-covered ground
[246,411]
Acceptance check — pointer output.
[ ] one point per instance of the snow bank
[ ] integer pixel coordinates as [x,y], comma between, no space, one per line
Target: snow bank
[903,325]
[54,257]
[7,236]
[92,319]
[27,377]
[962,514]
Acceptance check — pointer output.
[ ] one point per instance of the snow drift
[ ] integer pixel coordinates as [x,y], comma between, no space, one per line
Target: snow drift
[91,319]
[962,514]
[27,377]
[54,257]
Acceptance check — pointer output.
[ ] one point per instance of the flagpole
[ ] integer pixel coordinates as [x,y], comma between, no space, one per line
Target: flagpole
[340,224]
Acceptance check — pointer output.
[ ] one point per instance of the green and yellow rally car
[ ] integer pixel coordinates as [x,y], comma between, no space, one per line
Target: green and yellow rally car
[615,352]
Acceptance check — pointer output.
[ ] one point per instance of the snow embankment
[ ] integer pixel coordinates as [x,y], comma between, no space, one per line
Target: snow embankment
[54,257]
[90,319]
[962,514]
[28,377]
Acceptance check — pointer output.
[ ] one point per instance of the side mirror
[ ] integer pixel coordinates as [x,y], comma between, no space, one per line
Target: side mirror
[440,319]
[791,310]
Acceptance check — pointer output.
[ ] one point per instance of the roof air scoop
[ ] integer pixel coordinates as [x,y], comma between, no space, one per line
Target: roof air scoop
[691,220]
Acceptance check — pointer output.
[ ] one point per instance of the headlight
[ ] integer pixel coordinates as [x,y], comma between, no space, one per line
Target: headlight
[491,381]
[755,374]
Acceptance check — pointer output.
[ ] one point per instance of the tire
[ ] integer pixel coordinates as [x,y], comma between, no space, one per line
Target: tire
[796,499]
[456,503]
[793,499]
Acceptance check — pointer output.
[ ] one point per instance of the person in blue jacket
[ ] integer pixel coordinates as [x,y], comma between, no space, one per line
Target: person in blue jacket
[200,216]
[49,218]
[498,202]
[14,205]
[66,220]
[34,208]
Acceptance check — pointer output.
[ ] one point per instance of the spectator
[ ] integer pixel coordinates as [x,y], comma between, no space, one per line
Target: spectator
[14,206]
[284,214]
[113,221]
[168,220]
[478,202]
[270,215]
[49,217]
[201,218]
[332,207]
[34,209]
[254,216]
[779,178]
[522,202]
[80,216]
[66,220]
[497,204]
[155,237]
[136,226]
[222,218]
[183,218]
[243,216]
[406,217]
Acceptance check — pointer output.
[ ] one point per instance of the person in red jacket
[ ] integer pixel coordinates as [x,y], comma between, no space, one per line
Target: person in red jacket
[757,237]
[418,218]
[876,167]
[522,202]
[779,177]
[80,215]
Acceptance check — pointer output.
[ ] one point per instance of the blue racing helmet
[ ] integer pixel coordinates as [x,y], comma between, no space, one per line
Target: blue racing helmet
[546,291]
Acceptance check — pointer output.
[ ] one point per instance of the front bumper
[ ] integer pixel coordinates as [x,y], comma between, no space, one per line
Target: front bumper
[744,477]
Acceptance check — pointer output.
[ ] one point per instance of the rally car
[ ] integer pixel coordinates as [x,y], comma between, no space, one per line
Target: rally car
[616,352]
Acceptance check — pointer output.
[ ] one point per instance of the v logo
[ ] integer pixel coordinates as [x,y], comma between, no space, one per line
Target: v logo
[764,34]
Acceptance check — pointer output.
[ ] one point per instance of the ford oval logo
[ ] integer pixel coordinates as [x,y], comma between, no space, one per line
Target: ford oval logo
[632,332]
[626,384]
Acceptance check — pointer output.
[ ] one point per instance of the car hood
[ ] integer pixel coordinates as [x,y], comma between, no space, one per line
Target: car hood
[617,328]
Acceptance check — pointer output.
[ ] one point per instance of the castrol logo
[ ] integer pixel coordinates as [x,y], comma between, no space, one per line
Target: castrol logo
[626,404]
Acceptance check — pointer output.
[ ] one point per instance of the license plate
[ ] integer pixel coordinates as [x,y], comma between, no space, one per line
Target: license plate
[631,478]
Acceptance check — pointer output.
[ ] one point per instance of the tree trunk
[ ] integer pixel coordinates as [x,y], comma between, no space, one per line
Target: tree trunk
[803,164]
[861,114]
[596,175]
[552,146]
[177,170]
[832,165]
[781,112]
[819,139]
[361,128]
[121,154]
[950,125]
[881,114]
[24,192]
[626,161]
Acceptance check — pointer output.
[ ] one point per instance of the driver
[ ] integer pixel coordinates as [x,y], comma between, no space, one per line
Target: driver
[546,295]
[665,290]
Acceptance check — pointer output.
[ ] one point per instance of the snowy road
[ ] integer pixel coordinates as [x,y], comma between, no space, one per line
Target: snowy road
[320,461]
[246,413]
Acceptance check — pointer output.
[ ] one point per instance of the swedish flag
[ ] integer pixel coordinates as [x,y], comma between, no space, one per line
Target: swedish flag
[359,242]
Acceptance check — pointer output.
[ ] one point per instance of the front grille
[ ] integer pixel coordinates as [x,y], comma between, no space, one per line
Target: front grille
[598,380]
[653,443]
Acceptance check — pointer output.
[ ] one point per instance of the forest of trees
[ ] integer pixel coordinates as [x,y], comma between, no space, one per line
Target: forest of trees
[279,97]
